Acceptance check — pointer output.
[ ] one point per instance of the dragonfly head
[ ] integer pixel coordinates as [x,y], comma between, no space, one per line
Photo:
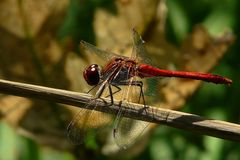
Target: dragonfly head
[92,74]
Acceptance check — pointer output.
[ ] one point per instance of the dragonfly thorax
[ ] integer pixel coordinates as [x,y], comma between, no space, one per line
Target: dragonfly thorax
[122,69]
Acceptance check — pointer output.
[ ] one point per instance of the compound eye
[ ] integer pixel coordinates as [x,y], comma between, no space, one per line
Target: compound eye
[92,74]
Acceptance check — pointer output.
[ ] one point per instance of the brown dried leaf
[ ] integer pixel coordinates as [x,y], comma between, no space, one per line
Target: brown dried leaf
[13,108]
[19,16]
[113,29]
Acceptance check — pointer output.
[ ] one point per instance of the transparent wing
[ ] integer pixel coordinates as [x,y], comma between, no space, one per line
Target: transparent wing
[86,120]
[93,50]
[127,131]
[139,52]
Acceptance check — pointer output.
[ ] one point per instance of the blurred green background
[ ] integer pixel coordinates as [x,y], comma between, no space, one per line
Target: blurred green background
[212,101]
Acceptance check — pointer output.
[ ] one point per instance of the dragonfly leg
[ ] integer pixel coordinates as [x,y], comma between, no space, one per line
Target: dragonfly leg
[118,90]
[100,92]
[110,95]
[134,83]
[91,89]
[140,84]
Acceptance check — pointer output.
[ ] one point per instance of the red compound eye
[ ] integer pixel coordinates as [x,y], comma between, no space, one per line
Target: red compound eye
[92,74]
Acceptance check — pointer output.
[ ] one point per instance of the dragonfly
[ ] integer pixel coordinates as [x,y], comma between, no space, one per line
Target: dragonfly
[124,74]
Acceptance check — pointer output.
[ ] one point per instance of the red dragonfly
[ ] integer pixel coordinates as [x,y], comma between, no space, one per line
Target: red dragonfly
[128,72]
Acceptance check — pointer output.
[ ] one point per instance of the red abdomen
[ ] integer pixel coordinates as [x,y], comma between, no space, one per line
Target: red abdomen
[149,71]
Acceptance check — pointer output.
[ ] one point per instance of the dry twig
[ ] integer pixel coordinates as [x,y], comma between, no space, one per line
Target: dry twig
[176,119]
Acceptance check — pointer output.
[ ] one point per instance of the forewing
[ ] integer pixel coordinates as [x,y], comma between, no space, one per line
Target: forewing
[91,50]
[139,52]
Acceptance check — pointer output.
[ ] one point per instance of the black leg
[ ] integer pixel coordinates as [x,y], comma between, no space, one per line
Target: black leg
[118,90]
[91,89]
[116,85]
[110,94]
[134,83]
